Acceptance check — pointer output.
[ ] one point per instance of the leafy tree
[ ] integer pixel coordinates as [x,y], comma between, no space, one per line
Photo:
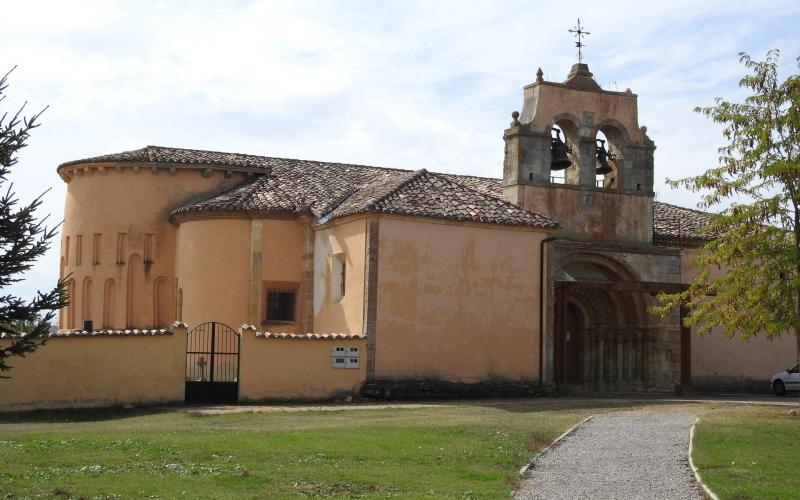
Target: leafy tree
[23,239]
[749,279]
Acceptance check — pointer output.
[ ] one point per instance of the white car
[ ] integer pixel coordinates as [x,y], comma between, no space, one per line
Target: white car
[788,380]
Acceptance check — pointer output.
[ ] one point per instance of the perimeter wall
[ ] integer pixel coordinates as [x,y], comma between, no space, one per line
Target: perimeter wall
[78,371]
[731,365]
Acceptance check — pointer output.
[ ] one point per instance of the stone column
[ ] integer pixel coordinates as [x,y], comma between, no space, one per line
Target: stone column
[587,157]
[369,328]
[306,289]
[256,246]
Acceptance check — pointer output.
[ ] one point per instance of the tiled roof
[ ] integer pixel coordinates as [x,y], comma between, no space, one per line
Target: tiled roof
[427,194]
[295,186]
[161,154]
[309,336]
[333,189]
[672,223]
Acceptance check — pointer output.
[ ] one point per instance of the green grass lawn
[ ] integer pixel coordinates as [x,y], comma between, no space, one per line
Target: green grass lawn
[749,452]
[444,451]
[455,451]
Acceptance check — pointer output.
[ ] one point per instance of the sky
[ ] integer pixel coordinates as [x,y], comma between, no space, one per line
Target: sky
[406,84]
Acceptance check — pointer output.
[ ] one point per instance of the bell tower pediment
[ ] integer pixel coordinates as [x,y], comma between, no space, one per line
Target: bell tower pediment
[606,190]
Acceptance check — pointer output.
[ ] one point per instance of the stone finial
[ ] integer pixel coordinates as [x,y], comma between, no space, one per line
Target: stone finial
[580,78]
[515,118]
[539,75]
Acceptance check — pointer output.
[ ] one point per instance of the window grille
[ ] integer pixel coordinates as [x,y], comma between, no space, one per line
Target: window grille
[280,304]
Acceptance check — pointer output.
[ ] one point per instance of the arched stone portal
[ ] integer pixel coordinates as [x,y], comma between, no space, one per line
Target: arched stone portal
[605,338]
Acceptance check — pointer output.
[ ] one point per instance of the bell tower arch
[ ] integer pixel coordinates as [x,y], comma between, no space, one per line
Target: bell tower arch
[606,191]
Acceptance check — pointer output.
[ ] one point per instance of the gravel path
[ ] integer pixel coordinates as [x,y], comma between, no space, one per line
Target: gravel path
[642,454]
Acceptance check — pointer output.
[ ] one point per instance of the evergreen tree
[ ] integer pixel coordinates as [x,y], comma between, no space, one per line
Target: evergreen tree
[23,239]
[749,279]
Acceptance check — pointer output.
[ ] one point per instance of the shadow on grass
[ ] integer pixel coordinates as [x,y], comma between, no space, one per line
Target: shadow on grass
[81,414]
[512,405]
[567,404]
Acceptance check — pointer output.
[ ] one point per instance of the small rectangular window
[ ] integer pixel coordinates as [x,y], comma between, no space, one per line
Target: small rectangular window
[338,276]
[148,248]
[121,247]
[66,250]
[96,248]
[78,249]
[280,304]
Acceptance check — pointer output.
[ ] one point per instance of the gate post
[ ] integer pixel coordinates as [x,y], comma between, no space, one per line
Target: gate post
[247,333]
[180,333]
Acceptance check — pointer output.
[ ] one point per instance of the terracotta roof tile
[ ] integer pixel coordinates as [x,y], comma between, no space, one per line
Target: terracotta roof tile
[333,190]
[674,224]
[427,194]
[324,188]
[161,154]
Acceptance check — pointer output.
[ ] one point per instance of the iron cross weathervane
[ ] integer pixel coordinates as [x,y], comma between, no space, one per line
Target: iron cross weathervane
[579,32]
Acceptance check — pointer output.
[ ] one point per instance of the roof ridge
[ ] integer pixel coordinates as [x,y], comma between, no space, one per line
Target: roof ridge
[683,208]
[153,147]
[369,185]
[278,158]
[415,175]
[506,203]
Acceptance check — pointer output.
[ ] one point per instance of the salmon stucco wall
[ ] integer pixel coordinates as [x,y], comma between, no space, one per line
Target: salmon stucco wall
[91,371]
[281,256]
[295,369]
[457,302]
[282,250]
[334,314]
[213,270]
[720,363]
[118,246]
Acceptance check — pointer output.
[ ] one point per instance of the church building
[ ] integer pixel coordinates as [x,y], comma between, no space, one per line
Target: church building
[540,274]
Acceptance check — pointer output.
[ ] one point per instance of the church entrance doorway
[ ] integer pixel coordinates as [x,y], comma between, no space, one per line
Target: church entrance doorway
[573,345]
[607,341]
[212,364]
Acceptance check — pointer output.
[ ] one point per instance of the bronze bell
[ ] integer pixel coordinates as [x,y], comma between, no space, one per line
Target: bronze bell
[603,156]
[558,151]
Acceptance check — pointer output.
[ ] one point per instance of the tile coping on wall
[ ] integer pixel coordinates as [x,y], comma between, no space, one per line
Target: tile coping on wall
[300,336]
[309,336]
[110,333]
[105,333]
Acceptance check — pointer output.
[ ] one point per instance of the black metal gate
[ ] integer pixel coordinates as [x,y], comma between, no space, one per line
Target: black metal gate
[212,364]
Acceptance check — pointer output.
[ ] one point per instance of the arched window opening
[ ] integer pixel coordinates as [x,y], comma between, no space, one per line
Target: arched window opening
[135,287]
[603,168]
[160,303]
[62,316]
[109,303]
[86,302]
[560,158]
[609,156]
[69,310]
[564,161]
[179,305]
